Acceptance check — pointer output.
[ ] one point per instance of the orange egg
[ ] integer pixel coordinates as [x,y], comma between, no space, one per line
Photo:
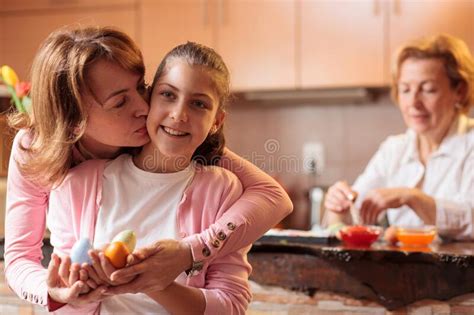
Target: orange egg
[117,253]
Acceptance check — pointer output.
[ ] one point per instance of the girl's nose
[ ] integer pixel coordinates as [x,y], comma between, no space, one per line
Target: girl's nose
[178,113]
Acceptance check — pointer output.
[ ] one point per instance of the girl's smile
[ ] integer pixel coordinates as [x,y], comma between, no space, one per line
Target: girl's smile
[184,108]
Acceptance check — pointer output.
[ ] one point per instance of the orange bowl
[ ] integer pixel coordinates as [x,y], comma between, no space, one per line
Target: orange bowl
[360,235]
[419,236]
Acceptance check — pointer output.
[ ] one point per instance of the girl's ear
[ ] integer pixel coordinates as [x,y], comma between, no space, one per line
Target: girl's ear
[220,116]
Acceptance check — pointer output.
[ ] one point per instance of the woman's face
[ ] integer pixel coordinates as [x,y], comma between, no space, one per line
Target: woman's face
[117,111]
[425,96]
[184,109]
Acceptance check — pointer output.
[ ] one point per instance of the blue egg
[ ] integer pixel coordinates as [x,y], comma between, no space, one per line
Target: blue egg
[79,251]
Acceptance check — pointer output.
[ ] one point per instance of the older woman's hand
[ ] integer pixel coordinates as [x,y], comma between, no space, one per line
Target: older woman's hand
[378,200]
[339,197]
[160,264]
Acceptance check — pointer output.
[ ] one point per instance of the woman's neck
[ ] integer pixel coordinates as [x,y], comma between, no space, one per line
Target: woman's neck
[430,142]
[150,159]
[90,149]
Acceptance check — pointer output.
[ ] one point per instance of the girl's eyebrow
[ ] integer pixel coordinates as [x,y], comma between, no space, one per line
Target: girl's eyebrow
[167,84]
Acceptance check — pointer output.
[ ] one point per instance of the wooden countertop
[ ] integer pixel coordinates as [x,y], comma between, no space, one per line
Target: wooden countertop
[392,276]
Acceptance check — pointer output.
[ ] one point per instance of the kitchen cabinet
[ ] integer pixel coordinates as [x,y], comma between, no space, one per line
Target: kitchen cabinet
[352,43]
[21,5]
[412,19]
[23,31]
[342,43]
[256,38]
[165,24]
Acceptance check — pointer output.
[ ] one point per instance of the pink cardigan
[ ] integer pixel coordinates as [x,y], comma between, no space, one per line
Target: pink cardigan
[212,191]
[263,204]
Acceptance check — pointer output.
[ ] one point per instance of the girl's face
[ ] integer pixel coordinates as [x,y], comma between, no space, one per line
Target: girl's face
[425,96]
[184,109]
[117,111]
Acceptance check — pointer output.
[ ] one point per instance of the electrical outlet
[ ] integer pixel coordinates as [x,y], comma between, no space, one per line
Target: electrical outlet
[313,158]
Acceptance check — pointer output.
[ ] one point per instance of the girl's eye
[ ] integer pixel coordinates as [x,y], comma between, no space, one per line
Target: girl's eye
[199,104]
[167,94]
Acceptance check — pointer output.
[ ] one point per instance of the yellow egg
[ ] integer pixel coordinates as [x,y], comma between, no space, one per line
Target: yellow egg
[127,237]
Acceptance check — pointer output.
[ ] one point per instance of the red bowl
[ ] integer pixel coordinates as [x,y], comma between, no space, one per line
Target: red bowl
[360,235]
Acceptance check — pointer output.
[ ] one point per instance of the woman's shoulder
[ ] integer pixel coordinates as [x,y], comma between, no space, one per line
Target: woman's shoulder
[215,176]
[398,142]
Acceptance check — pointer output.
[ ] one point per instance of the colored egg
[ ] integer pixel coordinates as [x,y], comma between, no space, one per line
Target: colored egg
[79,251]
[117,253]
[127,237]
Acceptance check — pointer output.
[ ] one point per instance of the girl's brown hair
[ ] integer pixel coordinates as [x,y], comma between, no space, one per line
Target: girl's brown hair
[58,76]
[210,151]
[454,53]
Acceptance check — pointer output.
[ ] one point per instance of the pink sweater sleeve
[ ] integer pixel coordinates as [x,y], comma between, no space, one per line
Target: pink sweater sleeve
[25,221]
[263,204]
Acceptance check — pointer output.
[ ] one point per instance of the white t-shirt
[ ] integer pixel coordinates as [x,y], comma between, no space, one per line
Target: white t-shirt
[146,203]
[448,177]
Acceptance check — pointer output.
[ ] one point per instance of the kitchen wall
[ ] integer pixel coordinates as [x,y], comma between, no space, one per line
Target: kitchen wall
[273,138]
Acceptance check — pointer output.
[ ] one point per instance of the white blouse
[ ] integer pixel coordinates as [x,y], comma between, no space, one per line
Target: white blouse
[448,177]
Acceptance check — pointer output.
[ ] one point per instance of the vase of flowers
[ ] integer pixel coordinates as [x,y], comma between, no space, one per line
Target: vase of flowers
[18,89]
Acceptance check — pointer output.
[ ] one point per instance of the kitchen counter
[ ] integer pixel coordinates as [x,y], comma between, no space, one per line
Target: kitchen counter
[391,276]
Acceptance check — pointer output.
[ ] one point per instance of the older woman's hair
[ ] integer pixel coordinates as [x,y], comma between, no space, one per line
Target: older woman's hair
[455,54]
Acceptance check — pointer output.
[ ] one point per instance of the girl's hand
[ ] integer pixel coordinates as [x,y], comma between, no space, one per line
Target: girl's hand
[378,200]
[339,197]
[102,269]
[157,267]
[68,290]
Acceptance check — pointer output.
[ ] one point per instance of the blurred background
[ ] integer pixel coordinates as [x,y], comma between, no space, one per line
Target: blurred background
[311,77]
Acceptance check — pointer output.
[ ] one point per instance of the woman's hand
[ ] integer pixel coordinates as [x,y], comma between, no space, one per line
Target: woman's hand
[158,266]
[378,200]
[101,269]
[67,287]
[339,197]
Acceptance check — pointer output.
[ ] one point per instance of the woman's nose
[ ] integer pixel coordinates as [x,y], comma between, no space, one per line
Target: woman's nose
[142,108]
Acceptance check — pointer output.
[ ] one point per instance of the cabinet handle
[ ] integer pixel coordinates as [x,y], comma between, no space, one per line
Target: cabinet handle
[205,12]
[376,7]
[396,7]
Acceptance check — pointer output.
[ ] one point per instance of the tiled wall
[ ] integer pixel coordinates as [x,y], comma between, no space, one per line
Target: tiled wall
[350,133]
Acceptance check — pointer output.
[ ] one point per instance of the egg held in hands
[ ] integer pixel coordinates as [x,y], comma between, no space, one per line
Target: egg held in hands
[127,237]
[79,252]
[117,253]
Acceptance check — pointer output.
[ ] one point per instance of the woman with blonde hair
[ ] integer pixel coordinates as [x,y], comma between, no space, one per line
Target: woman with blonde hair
[426,175]
[88,102]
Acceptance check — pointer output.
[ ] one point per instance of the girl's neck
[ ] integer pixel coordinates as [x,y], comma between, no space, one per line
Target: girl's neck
[150,159]
[92,150]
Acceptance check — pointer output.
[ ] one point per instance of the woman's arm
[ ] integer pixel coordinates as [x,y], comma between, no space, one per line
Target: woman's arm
[25,221]
[263,204]
[226,291]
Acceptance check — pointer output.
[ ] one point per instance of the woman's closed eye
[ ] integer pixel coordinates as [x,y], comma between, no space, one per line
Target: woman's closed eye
[121,102]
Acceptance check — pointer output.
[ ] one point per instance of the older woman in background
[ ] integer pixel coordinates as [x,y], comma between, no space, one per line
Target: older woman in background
[426,175]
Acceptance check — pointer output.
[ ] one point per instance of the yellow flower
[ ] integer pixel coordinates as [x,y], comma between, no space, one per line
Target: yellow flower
[8,75]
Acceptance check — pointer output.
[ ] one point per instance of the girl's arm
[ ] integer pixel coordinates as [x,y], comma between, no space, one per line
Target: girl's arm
[25,221]
[263,204]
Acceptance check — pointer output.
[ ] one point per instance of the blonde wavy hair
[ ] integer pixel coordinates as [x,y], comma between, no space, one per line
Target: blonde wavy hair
[455,54]
[58,76]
